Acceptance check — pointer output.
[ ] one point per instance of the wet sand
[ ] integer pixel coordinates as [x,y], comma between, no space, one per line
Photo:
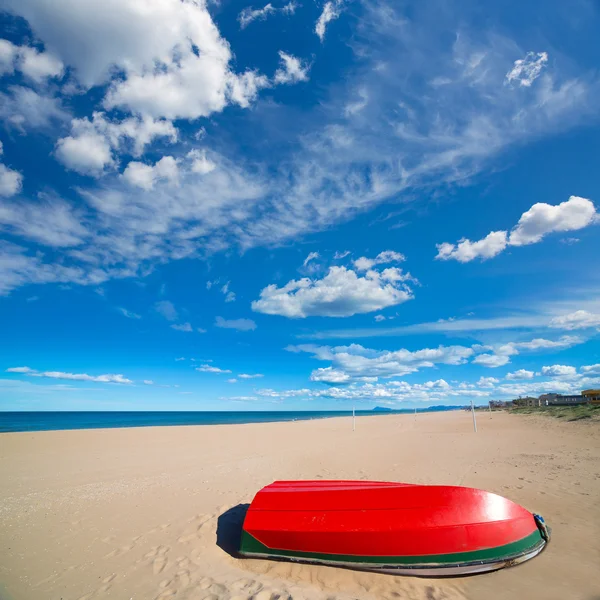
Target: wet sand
[150,513]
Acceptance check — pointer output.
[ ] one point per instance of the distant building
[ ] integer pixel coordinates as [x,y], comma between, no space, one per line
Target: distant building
[547,399]
[591,396]
[562,400]
[500,404]
[527,401]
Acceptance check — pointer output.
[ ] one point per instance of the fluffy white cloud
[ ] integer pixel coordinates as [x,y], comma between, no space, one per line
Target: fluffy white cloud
[34,64]
[292,69]
[239,324]
[591,369]
[559,371]
[541,219]
[487,382]
[211,369]
[250,376]
[11,181]
[182,327]
[385,257]
[329,375]
[520,374]
[341,293]
[331,11]
[108,378]
[167,310]
[87,153]
[200,163]
[580,319]
[357,361]
[466,250]
[145,176]
[526,70]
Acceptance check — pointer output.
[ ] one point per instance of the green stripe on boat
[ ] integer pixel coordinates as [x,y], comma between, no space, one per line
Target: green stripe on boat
[250,545]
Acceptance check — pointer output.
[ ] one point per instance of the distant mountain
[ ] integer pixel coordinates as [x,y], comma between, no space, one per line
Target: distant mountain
[382,409]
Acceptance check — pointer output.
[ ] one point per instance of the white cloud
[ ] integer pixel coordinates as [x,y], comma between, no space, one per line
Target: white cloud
[292,69]
[526,70]
[108,378]
[211,369]
[591,369]
[19,370]
[541,219]
[580,319]
[247,15]
[24,108]
[331,11]
[11,181]
[491,360]
[166,309]
[559,371]
[520,374]
[341,293]
[329,375]
[148,382]
[311,256]
[145,176]
[239,324]
[182,327]
[179,358]
[229,295]
[200,163]
[340,255]
[88,153]
[50,221]
[250,376]
[128,313]
[232,380]
[358,361]
[200,330]
[385,257]
[487,382]
[34,64]
[466,250]
[379,318]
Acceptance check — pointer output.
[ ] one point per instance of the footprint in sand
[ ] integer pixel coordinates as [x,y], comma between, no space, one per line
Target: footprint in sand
[109,578]
[158,564]
[166,594]
[249,586]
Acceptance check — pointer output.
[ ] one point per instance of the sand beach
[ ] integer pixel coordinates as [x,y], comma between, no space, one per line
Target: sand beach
[149,513]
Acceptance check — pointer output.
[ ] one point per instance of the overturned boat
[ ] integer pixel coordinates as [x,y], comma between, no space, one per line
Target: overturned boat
[399,528]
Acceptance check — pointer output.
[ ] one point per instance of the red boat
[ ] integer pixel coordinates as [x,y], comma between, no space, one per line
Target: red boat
[392,527]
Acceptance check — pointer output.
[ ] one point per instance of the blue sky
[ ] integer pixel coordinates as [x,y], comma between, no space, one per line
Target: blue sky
[295,205]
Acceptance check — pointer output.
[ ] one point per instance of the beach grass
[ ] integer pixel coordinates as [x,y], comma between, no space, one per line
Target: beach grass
[567,413]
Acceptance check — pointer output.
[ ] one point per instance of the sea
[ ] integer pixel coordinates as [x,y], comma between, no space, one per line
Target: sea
[49,421]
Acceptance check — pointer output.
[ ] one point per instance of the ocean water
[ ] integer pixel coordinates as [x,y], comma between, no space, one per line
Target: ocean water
[48,421]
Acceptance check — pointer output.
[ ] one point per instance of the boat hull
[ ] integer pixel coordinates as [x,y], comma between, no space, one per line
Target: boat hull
[390,527]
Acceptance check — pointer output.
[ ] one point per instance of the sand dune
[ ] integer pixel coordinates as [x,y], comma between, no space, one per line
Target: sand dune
[152,513]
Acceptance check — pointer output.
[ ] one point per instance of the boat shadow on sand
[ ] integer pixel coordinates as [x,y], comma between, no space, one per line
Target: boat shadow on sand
[229,529]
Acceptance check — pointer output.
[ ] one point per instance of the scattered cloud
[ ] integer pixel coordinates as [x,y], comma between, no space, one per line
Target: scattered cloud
[182,327]
[11,181]
[250,376]
[179,359]
[128,313]
[580,319]
[248,14]
[35,65]
[311,256]
[520,374]
[146,176]
[331,11]
[210,369]
[591,369]
[108,378]
[239,324]
[340,293]
[526,70]
[388,256]
[487,382]
[340,255]
[329,375]
[379,318]
[491,360]
[559,371]
[357,361]
[229,295]
[167,310]
[292,69]
[148,382]
[541,219]
[232,380]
